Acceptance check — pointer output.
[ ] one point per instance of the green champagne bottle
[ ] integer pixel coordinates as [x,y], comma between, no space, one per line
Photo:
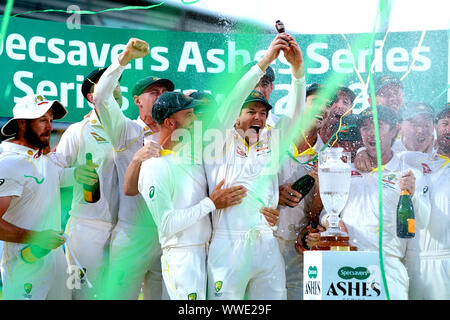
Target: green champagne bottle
[304,185]
[91,193]
[405,216]
[32,253]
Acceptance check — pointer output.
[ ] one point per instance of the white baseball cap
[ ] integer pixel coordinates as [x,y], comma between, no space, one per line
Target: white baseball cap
[32,107]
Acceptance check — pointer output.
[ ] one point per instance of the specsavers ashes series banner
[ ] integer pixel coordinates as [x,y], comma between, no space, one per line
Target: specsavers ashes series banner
[48,58]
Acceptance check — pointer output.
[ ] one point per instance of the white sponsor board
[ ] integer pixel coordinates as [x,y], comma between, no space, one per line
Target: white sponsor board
[342,275]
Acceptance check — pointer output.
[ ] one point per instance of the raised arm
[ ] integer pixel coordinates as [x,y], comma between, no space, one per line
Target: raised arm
[109,113]
[297,94]
[231,107]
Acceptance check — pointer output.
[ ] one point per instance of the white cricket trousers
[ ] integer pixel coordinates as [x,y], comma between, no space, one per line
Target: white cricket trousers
[46,278]
[89,241]
[429,273]
[244,264]
[184,272]
[134,263]
[293,267]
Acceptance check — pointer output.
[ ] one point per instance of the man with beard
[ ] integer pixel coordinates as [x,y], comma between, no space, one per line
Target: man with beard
[30,210]
[428,254]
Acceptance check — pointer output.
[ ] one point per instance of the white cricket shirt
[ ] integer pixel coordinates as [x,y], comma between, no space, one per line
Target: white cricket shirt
[127,137]
[290,219]
[361,212]
[33,180]
[83,137]
[240,164]
[176,195]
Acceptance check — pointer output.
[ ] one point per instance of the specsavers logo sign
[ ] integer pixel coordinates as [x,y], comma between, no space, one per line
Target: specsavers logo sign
[359,273]
[356,283]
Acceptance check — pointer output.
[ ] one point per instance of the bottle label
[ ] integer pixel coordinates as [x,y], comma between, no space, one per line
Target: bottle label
[87,195]
[404,193]
[28,256]
[411,226]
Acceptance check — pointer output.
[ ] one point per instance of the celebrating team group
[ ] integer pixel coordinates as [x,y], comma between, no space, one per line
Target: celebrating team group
[175,222]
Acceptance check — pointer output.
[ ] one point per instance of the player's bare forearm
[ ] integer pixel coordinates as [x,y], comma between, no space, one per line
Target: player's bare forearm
[130,182]
[8,231]
[12,233]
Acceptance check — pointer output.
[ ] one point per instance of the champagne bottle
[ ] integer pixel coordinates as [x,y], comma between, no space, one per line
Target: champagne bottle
[32,253]
[405,216]
[304,185]
[91,193]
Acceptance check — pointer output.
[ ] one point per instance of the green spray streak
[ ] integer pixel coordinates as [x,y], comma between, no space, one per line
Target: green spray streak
[5,21]
[304,122]
[379,163]
[441,94]
[102,11]
[108,282]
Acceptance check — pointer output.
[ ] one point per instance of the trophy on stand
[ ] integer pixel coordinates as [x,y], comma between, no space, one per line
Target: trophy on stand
[334,178]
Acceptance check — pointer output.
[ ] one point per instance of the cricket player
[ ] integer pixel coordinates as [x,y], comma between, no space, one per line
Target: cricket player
[360,215]
[30,208]
[416,133]
[135,250]
[428,254]
[292,206]
[90,224]
[416,128]
[244,256]
[175,191]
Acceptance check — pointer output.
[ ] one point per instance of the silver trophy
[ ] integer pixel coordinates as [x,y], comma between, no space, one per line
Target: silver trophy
[334,181]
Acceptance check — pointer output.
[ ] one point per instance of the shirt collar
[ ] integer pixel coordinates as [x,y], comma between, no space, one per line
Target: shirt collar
[392,165]
[143,125]
[20,149]
[94,120]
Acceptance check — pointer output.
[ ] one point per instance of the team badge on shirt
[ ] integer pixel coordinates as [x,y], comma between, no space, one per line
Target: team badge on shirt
[356,174]
[98,138]
[240,152]
[151,192]
[389,180]
[27,287]
[218,287]
[192,296]
[426,169]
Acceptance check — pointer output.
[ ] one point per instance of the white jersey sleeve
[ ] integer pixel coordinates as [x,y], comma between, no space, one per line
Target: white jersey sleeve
[10,182]
[156,184]
[231,106]
[113,120]
[67,177]
[294,107]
